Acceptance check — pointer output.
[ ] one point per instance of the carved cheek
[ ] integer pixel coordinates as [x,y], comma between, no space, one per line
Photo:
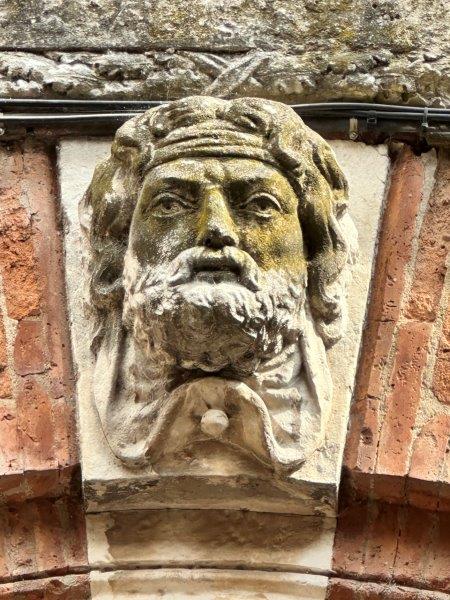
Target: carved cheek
[157,240]
[276,244]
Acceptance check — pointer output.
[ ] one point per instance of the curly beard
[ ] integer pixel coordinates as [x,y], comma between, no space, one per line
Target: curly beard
[229,323]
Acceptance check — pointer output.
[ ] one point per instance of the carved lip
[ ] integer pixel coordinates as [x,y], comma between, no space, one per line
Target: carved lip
[217,266]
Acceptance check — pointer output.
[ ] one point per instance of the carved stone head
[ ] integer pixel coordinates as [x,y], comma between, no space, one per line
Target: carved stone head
[218,253]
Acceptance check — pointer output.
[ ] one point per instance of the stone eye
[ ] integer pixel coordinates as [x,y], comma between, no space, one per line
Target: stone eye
[262,204]
[166,205]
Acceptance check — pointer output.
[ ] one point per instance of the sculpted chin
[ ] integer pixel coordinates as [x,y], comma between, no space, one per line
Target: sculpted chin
[219,249]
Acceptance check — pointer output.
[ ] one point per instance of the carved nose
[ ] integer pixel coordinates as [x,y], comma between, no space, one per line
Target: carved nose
[216,237]
[216,226]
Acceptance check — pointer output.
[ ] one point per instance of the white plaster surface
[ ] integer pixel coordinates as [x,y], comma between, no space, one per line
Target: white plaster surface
[312,489]
[206,584]
[210,538]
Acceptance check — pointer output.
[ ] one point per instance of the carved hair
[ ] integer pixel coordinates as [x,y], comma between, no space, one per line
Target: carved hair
[204,126]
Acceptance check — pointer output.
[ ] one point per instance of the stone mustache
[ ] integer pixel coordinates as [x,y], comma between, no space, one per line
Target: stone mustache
[218,254]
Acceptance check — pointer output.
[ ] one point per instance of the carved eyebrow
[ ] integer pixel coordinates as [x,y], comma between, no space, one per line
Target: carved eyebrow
[171,181]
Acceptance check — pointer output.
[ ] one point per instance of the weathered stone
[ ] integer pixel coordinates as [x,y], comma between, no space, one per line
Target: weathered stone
[241,25]
[204,584]
[70,587]
[315,76]
[209,538]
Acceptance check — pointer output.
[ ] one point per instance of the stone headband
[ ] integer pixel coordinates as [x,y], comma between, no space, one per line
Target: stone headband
[211,138]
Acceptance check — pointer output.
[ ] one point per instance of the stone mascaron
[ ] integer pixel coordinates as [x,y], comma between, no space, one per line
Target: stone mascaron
[218,256]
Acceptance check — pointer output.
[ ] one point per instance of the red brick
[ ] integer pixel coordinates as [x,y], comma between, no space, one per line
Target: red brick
[438,571]
[430,265]
[345,589]
[46,447]
[351,539]
[65,442]
[430,450]
[404,398]
[5,378]
[441,377]
[393,544]
[393,256]
[381,543]
[40,188]
[70,587]
[41,537]
[19,541]
[10,450]
[49,537]
[28,348]
[17,257]
[416,531]
[35,425]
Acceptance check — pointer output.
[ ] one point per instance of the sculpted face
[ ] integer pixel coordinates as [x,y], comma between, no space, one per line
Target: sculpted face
[217,203]
[215,269]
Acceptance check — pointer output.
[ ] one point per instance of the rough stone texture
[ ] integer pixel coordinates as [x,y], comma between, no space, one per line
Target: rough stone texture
[399,425]
[205,584]
[416,77]
[234,26]
[107,484]
[208,538]
[70,587]
[38,454]
[302,51]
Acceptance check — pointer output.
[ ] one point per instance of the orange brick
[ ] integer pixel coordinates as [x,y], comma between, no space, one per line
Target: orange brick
[42,536]
[430,449]
[5,378]
[441,377]
[41,192]
[393,256]
[10,449]
[393,543]
[344,589]
[17,258]
[404,398]
[438,572]
[411,566]
[29,352]
[35,425]
[430,265]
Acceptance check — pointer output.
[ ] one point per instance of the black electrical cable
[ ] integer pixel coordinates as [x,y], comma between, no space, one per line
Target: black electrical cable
[29,111]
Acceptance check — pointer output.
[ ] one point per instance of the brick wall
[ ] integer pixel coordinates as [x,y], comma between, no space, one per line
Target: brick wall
[394,523]
[41,516]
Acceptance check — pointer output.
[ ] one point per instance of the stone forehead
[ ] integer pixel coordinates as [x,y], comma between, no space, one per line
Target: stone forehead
[198,116]
[215,169]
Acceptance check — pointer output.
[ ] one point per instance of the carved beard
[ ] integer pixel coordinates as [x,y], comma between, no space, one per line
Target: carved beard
[180,320]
